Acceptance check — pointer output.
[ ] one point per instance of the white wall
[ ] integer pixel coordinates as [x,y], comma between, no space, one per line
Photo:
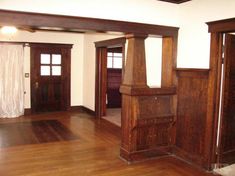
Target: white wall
[89,67]
[194,39]
[153,52]
[145,11]
[76,59]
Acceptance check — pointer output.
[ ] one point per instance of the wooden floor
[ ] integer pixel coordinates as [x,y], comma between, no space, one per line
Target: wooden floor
[94,152]
[34,132]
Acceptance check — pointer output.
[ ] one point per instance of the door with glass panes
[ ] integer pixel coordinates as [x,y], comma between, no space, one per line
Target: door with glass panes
[114,77]
[50,77]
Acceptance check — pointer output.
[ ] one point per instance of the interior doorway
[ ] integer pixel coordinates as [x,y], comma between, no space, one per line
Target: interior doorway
[50,77]
[226,127]
[109,72]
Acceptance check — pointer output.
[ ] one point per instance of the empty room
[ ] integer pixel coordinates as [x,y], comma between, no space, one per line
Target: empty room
[128,87]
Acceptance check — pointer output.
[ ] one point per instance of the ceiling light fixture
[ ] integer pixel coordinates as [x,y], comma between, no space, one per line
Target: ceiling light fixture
[9,30]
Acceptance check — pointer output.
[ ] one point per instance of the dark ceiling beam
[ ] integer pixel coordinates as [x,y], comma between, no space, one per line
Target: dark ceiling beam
[39,20]
[175,1]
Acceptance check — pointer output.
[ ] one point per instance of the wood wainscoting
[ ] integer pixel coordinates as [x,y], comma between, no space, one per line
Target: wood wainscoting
[146,127]
[191,115]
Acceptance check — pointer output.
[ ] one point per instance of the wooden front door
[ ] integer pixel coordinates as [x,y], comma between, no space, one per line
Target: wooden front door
[50,77]
[227,128]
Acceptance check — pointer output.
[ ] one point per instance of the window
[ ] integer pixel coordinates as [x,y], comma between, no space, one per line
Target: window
[114,60]
[50,65]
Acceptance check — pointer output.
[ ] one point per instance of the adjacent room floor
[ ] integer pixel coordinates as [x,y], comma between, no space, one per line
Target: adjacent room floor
[72,144]
[113,116]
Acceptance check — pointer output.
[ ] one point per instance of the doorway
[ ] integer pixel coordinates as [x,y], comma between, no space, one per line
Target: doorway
[109,71]
[226,127]
[50,77]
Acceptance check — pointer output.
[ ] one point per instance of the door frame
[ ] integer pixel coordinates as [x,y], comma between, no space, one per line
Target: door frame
[101,71]
[216,30]
[66,77]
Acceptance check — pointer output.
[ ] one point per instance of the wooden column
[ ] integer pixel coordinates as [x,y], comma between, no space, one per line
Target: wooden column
[135,70]
[147,113]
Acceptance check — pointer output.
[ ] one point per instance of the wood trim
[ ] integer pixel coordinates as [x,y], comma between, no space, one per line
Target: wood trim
[213,99]
[147,91]
[216,28]
[141,155]
[227,25]
[76,108]
[48,45]
[111,42]
[27,111]
[88,111]
[192,70]
[62,22]
[37,44]
[101,72]
[175,1]
[185,156]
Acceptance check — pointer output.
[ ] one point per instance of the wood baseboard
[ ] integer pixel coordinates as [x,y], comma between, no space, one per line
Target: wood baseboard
[82,109]
[27,111]
[195,160]
[144,154]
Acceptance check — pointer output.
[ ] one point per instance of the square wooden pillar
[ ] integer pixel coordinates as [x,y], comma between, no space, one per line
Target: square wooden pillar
[147,113]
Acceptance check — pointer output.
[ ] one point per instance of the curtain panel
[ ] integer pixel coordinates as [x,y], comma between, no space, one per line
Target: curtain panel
[11,80]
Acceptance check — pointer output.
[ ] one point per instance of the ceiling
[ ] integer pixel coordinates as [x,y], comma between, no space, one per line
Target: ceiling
[175,1]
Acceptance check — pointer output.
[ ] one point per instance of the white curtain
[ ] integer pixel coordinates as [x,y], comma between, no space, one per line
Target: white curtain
[11,80]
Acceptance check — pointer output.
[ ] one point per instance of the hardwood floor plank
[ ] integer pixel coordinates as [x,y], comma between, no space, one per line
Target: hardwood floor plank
[96,152]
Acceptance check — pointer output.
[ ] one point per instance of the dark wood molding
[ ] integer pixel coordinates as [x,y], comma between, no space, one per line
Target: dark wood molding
[27,111]
[76,108]
[38,44]
[132,157]
[88,111]
[82,109]
[147,91]
[192,70]
[111,42]
[175,1]
[81,24]
[101,71]
[226,25]
[48,45]
[216,28]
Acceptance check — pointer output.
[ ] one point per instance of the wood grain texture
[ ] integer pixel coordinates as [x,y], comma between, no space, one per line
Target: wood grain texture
[95,153]
[79,24]
[226,25]
[227,128]
[147,114]
[114,79]
[216,28]
[191,115]
[101,72]
[34,132]
[213,99]
[52,92]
